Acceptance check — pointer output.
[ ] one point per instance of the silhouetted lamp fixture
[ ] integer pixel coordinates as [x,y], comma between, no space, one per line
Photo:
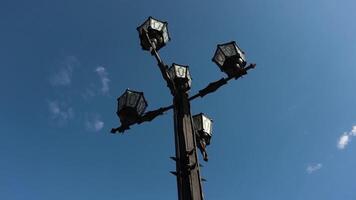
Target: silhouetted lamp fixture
[155,32]
[131,106]
[190,132]
[181,76]
[230,58]
[203,127]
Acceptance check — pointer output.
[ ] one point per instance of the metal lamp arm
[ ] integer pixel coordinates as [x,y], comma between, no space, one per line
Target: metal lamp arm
[163,67]
[147,117]
[213,86]
[150,115]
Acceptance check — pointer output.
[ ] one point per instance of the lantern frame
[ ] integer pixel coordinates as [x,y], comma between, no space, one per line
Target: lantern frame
[157,32]
[128,110]
[199,126]
[181,78]
[230,58]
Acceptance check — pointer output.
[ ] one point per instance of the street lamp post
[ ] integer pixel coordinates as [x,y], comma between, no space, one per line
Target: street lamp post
[189,132]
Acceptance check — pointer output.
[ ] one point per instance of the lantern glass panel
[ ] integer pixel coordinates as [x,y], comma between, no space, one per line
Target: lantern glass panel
[243,57]
[157,25]
[122,101]
[165,34]
[198,125]
[207,125]
[229,49]
[180,71]
[241,54]
[189,78]
[219,57]
[144,26]
[171,72]
[132,98]
[141,106]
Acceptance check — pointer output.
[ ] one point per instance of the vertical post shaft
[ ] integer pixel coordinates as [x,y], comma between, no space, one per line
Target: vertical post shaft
[187,165]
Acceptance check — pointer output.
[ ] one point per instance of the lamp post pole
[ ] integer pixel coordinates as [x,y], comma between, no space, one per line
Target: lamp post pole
[132,104]
[187,165]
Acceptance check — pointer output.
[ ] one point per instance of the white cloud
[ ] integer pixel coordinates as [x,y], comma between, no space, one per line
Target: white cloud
[343,141]
[94,124]
[311,168]
[345,138]
[60,111]
[60,107]
[353,131]
[63,76]
[98,125]
[101,71]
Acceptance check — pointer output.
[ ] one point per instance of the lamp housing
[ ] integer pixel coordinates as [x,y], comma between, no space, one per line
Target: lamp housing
[131,106]
[181,76]
[230,58]
[203,127]
[157,34]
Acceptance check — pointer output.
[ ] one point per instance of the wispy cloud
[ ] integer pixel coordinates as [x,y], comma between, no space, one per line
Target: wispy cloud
[353,131]
[88,93]
[63,75]
[345,138]
[311,168]
[61,107]
[60,111]
[343,141]
[94,123]
[61,78]
[101,71]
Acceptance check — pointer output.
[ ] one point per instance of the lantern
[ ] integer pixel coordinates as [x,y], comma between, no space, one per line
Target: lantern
[203,127]
[230,58]
[157,33]
[181,76]
[131,106]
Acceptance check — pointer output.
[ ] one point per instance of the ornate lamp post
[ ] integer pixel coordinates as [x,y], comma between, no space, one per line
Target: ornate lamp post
[189,132]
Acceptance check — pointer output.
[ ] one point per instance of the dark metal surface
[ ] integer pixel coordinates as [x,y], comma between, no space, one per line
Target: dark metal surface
[213,86]
[162,67]
[187,164]
[148,116]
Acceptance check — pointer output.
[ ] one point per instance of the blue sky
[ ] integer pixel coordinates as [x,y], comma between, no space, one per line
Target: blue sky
[285,131]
